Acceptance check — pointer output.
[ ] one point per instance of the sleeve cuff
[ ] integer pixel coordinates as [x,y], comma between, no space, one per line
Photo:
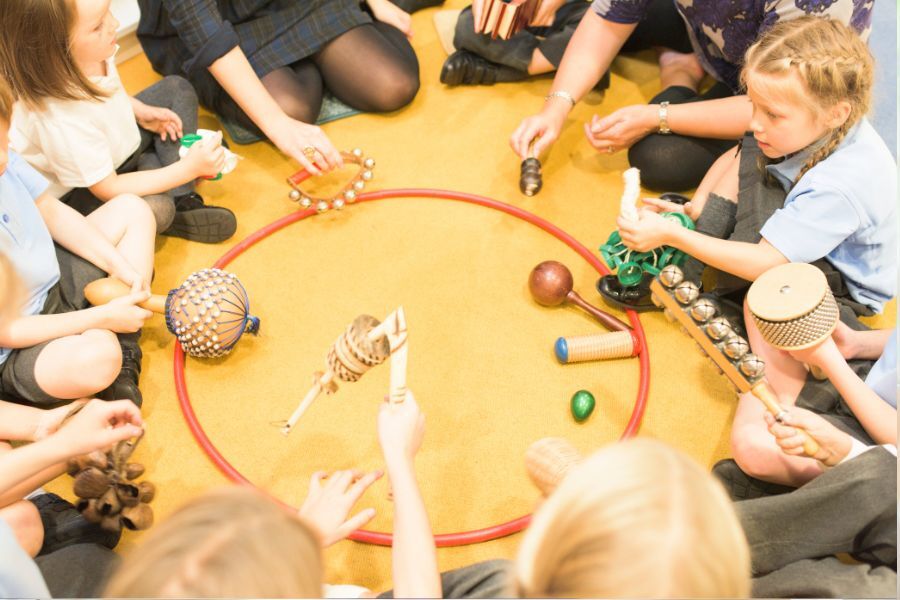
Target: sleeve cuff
[218,45]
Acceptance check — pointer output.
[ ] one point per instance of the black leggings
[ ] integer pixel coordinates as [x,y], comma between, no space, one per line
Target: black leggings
[678,162]
[372,68]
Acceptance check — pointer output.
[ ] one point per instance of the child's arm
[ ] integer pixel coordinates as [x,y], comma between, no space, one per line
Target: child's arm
[877,417]
[99,425]
[72,231]
[157,119]
[400,430]
[27,423]
[742,259]
[865,344]
[204,159]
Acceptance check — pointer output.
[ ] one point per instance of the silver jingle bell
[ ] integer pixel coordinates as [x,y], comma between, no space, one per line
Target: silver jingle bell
[357,152]
[350,196]
[752,366]
[322,206]
[671,276]
[686,292]
[703,310]
[294,195]
[305,202]
[338,203]
[369,163]
[359,185]
[736,347]
[367,175]
[718,329]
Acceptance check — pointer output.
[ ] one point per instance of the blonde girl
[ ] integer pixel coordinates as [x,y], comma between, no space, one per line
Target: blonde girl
[810,83]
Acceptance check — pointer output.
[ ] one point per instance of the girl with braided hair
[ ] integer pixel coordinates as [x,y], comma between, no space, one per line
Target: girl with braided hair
[811,182]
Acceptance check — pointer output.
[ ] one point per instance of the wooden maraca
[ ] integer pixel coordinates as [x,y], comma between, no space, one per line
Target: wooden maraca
[551,284]
[548,460]
[208,313]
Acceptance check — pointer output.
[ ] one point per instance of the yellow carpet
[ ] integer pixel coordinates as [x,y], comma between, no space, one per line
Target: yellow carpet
[480,351]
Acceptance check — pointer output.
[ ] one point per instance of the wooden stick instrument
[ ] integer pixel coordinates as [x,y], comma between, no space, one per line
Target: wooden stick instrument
[716,338]
[366,343]
[596,346]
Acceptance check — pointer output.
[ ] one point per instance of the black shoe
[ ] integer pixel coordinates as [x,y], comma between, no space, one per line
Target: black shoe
[64,526]
[125,386]
[741,486]
[674,198]
[634,297]
[465,68]
[200,223]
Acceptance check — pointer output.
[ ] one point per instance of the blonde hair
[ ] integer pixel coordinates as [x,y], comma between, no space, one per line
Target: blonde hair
[831,62]
[35,53]
[7,100]
[636,519]
[233,542]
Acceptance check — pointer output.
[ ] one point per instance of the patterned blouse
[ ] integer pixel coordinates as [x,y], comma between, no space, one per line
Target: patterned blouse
[722,31]
[181,37]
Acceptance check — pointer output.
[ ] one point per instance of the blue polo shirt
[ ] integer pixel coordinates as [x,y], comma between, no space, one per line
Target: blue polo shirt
[24,237]
[882,378]
[844,210]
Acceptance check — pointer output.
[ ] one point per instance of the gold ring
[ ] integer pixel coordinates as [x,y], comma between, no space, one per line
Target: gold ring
[610,149]
[309,152]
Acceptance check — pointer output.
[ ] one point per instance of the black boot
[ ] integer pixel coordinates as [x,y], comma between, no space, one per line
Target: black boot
[125,386]
[466,68]
[200,223]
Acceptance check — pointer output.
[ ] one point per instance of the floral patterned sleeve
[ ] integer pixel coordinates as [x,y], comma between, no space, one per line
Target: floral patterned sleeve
[855,13]
[621,11]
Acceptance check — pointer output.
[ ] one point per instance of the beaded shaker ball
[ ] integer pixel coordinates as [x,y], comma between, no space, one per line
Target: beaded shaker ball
[209,313]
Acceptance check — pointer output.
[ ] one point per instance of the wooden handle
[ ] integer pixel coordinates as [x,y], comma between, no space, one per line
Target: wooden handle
[102,291]
[765,394]
[609,321]
[318,385]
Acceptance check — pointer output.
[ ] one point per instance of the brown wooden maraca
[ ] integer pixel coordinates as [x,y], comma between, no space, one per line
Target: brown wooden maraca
[551,284]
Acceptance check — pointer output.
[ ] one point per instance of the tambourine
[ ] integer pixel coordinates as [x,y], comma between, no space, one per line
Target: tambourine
[208,313]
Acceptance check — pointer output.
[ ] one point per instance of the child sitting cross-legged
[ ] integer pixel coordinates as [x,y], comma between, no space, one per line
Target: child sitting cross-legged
[78,127]
[56,347]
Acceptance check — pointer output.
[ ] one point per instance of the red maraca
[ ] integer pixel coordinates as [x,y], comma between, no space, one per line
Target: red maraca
[551,284]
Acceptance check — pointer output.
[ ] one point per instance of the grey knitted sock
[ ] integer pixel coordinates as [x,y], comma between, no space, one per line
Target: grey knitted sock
[717,220]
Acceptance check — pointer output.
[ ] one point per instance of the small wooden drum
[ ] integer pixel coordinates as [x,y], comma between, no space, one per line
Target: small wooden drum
[792,306]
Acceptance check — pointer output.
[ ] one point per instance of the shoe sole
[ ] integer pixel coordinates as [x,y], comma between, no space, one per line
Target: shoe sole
[209,225]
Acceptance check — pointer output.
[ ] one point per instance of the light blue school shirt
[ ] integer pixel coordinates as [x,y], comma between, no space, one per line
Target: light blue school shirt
[24,237]
[882,378]
[19,576]
[843,210]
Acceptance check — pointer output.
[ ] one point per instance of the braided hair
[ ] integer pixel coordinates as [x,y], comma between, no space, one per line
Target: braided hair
[831,61]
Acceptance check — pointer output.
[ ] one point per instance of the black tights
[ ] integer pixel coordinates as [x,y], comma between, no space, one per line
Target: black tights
[371,68]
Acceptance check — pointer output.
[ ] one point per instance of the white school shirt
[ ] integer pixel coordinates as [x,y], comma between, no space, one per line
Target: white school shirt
[77,143]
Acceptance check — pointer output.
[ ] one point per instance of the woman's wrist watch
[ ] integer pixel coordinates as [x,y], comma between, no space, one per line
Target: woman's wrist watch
[664,118]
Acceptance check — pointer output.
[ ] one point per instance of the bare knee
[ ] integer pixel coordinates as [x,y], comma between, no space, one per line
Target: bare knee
[99,358]
[754,457]
[25,521]
[136,211]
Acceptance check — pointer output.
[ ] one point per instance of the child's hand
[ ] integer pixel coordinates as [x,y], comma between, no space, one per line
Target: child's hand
[125,273]
[647,233]
[206,158]
[328,505]
[50,420]
[388,12]
[99,425]
[159,120]
[401,428]
[834,444]
[825,355]
[123,315]
[658,205]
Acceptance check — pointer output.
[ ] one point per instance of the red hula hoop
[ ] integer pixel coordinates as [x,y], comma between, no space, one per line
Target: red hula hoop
[444,539]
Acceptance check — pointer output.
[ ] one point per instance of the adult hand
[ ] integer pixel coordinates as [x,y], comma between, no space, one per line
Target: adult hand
[206,158]
[123,315]
[99,425]
[158,120]
[543,129]
[546,13]
[401,428]
[308,145]
[834,444]
[622,128]
[50,420]
[388,12]
[647,233]
[328,505]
